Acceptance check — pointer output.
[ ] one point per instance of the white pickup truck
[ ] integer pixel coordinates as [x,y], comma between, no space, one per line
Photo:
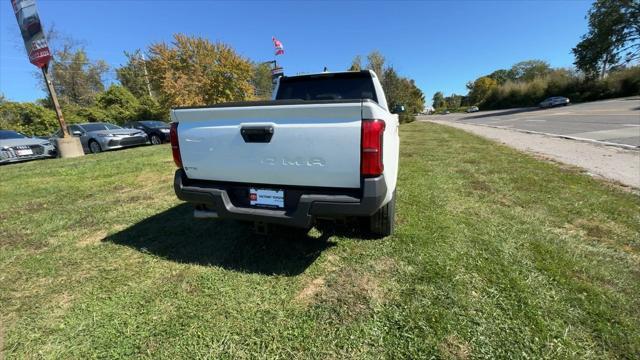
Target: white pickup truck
[325,147]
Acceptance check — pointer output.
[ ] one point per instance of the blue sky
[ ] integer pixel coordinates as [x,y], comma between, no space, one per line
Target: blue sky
[440,44]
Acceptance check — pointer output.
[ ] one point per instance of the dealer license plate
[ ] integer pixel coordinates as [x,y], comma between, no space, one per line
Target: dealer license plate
[266,198]
[24,152]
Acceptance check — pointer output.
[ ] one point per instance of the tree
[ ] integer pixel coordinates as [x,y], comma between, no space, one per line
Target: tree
[76,78]
[529,70]
[133,75]
[614,34]
[415,100]
[480,89]
[89,113]
[438,100]
[402,91]
[375,62]
[261,81]
[398,90]
[118,104]
[501,76]
[28,118]
[453,101]
[150,109]
[194,71]
[356,64]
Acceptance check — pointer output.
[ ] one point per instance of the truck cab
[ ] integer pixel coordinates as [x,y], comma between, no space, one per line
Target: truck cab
[326,146]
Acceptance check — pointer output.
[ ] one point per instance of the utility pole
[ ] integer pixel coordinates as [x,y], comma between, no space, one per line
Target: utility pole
[146,74]
[54,98]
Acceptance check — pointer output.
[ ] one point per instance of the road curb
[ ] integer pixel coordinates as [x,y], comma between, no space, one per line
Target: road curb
[592,141]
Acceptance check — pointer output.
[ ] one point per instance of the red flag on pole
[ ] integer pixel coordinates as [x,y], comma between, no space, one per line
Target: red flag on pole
[278,45]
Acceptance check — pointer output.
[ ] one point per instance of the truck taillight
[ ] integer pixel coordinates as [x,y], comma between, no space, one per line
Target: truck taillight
[175,146]
[371,148]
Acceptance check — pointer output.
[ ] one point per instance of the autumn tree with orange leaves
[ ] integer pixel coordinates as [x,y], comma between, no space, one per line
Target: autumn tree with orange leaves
[194,71]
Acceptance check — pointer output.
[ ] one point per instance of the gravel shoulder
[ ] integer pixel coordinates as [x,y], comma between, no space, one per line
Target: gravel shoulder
[622,166]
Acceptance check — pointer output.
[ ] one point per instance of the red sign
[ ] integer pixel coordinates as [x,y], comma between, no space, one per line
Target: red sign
[34,40]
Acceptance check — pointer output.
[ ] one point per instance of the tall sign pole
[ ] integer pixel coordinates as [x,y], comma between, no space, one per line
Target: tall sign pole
[54,99]
[39,55]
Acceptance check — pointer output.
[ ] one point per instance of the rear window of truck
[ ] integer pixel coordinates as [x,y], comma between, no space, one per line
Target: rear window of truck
[327,87]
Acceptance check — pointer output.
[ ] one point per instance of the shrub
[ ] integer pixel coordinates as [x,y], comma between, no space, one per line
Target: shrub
[27,118]
[624,82]
[562,82]
[150,110]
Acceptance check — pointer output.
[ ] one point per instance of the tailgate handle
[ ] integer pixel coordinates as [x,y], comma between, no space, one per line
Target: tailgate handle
[257,134]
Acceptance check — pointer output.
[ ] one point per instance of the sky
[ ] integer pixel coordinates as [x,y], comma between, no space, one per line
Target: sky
[440,44]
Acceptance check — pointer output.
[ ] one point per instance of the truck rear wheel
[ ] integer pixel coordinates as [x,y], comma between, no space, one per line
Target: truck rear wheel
[381,224]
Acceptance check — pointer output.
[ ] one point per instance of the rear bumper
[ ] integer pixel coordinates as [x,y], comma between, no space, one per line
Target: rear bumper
[301,211]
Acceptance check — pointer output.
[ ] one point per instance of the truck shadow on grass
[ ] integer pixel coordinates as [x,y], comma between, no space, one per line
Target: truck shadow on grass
[175,235]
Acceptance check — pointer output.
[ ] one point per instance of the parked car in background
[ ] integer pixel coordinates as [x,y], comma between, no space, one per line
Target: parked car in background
[472,109]
[554,101]
[99,136]
[157,131]
[15,146]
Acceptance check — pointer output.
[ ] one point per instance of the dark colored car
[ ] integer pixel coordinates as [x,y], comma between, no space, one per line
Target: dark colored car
[157,131]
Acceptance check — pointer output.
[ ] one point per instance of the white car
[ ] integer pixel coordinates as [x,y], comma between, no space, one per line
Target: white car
[554,101]
[472,109]
[326,146]
[15,147]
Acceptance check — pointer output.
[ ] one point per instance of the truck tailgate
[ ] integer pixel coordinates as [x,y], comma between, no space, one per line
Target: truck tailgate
[310,144]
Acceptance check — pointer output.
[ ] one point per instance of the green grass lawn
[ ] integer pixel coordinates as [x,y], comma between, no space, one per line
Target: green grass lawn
[496,254]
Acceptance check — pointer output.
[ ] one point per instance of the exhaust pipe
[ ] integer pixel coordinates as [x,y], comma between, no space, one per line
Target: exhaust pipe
[204,214]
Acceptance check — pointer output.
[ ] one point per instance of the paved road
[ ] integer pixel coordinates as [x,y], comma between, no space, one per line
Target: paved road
[616,121]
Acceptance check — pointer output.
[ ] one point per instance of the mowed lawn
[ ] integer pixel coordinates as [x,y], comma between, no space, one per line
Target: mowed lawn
[496,254]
